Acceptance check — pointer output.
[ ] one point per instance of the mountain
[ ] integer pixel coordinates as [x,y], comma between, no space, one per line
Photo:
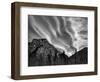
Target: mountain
[80,57]
[42,53]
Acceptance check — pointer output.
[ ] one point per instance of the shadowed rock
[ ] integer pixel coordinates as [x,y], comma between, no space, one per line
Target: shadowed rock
[42,53]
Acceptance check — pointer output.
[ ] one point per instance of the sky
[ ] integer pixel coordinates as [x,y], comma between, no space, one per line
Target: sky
[66,33]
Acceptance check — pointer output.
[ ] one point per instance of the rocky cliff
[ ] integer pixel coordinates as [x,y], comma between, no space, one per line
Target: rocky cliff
[42,53]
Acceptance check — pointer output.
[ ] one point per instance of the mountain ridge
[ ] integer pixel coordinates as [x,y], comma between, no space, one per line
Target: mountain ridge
[42,53]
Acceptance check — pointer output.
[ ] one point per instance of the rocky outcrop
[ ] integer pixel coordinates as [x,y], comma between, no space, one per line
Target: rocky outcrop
[41,53]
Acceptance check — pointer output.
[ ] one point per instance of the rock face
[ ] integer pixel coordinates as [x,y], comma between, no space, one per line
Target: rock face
[42,53]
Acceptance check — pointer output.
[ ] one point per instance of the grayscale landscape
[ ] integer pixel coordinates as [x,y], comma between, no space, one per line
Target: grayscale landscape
[57,40]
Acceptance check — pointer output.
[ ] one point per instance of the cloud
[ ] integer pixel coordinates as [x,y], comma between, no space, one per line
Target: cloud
[66,33]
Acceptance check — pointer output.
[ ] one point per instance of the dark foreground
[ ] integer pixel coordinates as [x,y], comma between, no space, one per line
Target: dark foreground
[41,53]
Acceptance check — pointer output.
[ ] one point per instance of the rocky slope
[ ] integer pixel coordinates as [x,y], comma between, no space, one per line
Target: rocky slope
[42,53]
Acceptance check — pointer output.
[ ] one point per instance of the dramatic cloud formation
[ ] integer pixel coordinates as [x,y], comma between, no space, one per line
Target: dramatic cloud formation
[67,34]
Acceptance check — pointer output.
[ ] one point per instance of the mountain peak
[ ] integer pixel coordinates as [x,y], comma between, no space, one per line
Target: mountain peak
[41,53]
